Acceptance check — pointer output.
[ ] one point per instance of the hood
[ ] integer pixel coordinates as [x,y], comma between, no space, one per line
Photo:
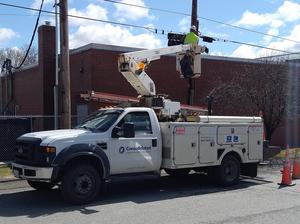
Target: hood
[54,135]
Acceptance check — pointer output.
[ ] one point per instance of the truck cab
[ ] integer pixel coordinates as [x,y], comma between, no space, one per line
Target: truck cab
[111,141]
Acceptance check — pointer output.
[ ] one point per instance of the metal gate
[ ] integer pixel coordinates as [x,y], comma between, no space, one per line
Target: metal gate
[10,130]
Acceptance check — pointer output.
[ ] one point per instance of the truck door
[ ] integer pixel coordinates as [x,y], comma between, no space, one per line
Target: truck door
[138,154]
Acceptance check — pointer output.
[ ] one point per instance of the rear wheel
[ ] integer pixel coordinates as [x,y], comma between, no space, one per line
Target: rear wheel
[41,186]
[228,173]
[81,184]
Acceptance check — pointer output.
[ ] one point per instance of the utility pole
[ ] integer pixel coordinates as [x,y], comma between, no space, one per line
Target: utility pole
[55,89]
[65,64]
[192,83]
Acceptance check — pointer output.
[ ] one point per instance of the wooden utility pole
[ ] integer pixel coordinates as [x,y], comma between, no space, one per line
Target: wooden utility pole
[65,65]
[192,83]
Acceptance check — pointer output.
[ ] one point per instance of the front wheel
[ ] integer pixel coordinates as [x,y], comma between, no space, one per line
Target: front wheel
[228,173]
[80,184]
[40,186]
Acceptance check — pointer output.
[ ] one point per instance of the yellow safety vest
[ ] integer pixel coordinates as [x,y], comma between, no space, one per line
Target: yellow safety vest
[191,38]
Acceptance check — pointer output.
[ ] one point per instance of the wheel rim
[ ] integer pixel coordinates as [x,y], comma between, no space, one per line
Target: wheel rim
[230,171]
[83,184]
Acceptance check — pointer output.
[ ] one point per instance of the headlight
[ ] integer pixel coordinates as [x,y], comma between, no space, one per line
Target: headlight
[49,150]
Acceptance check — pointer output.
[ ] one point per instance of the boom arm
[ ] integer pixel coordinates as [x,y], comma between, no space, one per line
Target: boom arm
[132,65]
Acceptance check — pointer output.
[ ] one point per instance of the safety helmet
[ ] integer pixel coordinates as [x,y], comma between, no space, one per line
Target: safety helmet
[193,27]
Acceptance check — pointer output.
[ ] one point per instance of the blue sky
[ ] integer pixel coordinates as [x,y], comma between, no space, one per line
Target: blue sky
[276,17]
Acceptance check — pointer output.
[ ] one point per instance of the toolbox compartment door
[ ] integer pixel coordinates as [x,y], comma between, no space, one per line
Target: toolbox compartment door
[185,145]
[255,142]
[208,152]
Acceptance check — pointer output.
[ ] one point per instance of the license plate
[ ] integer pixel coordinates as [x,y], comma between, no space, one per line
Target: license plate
[16,173]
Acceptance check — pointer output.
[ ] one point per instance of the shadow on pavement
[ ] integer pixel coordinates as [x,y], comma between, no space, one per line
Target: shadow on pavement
[31,203]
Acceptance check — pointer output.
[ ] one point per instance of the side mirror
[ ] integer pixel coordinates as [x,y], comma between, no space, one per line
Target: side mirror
[129,130]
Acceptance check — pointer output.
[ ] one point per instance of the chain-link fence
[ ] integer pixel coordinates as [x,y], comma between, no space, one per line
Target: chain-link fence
[11,127]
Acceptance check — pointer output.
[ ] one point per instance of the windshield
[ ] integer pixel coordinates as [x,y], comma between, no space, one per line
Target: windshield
[101,120]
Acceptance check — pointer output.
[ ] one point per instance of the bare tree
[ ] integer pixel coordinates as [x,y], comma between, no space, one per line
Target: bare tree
[265,86]
[259,88]
[16,55]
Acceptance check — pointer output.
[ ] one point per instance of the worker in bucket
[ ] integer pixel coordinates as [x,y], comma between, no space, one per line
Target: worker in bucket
[188,60]
[191,37]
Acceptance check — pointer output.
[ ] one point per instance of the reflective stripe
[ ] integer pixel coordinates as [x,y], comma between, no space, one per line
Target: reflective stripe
[191,38]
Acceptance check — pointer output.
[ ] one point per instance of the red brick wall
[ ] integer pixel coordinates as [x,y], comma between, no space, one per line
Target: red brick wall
[28,91]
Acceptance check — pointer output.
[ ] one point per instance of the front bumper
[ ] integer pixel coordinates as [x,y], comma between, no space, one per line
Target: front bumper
[31,172]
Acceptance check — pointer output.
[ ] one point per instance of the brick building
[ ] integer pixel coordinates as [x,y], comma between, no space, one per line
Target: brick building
[94,68]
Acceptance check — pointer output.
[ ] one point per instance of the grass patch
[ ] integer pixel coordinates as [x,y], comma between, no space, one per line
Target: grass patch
[281,155]
[5,172]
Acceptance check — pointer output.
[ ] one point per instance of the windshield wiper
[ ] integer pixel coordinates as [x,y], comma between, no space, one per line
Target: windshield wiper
[86,128]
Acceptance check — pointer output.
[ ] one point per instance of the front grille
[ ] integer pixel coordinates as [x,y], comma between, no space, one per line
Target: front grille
[29,152]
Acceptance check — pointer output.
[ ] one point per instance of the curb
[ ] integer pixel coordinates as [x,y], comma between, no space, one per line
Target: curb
[9,179]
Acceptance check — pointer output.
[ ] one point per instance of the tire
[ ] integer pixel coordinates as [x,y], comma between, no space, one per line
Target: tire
[40,186]
[80,184]
[228,173]
[177,172]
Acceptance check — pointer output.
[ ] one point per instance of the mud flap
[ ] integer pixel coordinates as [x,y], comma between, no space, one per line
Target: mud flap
[249,169]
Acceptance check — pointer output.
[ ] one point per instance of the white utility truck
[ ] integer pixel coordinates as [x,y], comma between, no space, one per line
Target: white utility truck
[132,140]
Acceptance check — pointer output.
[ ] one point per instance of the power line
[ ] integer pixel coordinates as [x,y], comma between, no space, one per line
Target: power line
[32,37]
[255,45]
[278,55]
[145,7]
[14,14]
[204,18]
[154,30]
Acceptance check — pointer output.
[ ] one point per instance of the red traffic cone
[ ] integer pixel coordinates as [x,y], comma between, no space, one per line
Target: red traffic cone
[286,172]
[296,165]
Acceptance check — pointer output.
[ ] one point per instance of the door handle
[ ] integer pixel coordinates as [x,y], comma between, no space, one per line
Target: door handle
[154,142]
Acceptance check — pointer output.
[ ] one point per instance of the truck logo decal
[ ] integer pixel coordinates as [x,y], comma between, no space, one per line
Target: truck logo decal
[232,139]
[121,150]
[134,149]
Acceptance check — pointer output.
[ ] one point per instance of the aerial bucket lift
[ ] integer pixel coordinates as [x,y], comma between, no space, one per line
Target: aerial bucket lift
[133,67]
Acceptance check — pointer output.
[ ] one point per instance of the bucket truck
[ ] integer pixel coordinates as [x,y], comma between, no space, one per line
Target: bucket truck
[124,141]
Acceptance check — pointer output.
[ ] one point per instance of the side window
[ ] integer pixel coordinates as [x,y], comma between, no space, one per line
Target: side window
[141,121]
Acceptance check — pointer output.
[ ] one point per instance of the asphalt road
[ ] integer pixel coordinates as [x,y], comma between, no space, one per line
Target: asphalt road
[159,200]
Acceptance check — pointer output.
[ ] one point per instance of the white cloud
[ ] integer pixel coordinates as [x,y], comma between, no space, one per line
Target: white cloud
[6,34]
[184,24]
[273,32]
[96,32]
[245,51]
[113,35]
[287,12]
[91,11]
[254,19]
[287,15]
[283,45]
[127,12]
